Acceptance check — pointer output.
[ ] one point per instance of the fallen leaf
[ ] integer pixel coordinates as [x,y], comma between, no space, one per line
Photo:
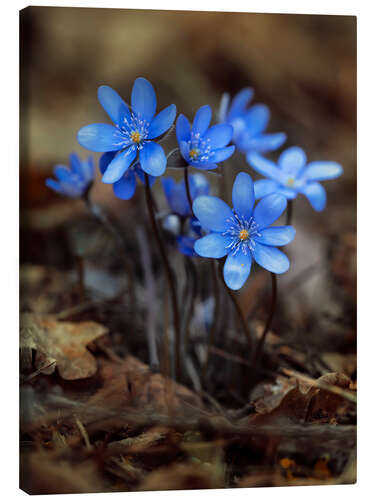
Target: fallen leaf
[61,342]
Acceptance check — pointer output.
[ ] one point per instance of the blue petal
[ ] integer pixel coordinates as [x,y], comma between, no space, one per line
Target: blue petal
[219,135]
[222,154]
[292,160]
[75,163]
[184,148]
[182,129]
[322,170]
[263,143]
[269,209]
[105,160]
[186,245]
[264,187]
[263,166]
[143,99]
[213,213]
[162,122]
[119,165]
[101,137]
[271,258]
[243,195]
[239,103]
[88,169]
[237,269]
[256,119]
[112,103]
[64,188]
[176,196]
[125,187]
[214,245]
[201,120]
[223,108]
[152,158]
[276,236]
[289,193]
[62,173]
[199,185]
[316,195]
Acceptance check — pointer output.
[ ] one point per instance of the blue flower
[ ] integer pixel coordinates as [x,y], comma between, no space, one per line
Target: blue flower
[133,132]
[292,176]
[200,145]
[249,124]
[125,187]
[175,192]
[74,181]
[243,233]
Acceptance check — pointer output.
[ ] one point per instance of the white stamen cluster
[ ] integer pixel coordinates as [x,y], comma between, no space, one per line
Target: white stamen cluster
[136,125]
[201,147]
[239,226]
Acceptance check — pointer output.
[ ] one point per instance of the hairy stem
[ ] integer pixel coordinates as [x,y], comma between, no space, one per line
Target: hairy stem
[236,305]
[215,319]
[169,274]
[187,187]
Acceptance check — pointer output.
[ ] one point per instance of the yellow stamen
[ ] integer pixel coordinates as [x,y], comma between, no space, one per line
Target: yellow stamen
[290,182]
[244,234]
[193,153]
[136,136]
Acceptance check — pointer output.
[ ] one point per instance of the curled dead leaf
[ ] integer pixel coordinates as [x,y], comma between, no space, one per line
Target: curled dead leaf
[61,342]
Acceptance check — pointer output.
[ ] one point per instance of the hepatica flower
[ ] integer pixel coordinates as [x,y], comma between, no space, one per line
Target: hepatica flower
[203,146]
[243,233]
[125,187]
[293,175]
[75,180]
[249,124]
[133,132]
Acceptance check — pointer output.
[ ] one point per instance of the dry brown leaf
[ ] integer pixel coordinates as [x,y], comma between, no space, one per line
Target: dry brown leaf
[132,383]
[61,342]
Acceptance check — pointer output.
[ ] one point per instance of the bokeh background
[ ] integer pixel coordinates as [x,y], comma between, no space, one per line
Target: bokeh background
[302,66]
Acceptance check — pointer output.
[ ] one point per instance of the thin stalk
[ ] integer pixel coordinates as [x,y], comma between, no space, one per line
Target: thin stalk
[101,216]
[187,187]
[289,212]
[259,348]
[239,312]
[215,320]
[169,274]
[150,299]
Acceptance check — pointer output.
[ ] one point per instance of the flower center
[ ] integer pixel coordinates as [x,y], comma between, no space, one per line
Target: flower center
[241,233]
[290,182]
[200,149]
[193,153]
[136,136]
[244,234]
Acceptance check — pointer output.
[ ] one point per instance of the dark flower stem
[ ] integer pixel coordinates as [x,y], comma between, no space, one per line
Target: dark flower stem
[102,217]
[289,212]
[169,274]
[187,187]
[215,319]
[259,348]
[236,305]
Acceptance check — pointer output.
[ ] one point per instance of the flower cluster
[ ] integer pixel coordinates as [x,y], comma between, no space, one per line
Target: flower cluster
[242,234]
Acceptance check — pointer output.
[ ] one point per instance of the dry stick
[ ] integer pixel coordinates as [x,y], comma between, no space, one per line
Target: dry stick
[150,299]
[169,273]
[98,213]
[239,312]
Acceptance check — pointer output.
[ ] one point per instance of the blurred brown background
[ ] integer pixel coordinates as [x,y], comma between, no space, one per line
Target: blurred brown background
[302,66]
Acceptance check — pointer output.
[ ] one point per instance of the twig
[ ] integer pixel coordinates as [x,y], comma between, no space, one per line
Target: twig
[83,432]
